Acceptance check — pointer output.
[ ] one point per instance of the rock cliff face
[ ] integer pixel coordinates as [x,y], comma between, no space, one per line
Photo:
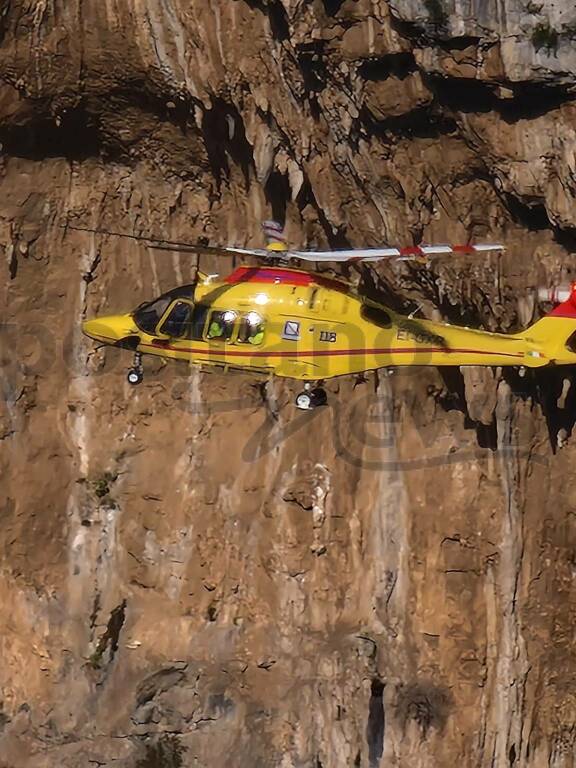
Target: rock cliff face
[193,573]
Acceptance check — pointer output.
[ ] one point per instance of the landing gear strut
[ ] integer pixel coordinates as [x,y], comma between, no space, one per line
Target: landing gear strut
[135,374]
[310,398]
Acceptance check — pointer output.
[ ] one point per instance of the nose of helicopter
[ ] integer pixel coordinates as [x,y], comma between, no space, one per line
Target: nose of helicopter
[108,329]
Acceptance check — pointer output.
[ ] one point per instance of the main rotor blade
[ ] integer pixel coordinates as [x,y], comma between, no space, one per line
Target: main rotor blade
[410,253]
[215,250]
[141,238]
[160,244]
[406,254]
[359,254]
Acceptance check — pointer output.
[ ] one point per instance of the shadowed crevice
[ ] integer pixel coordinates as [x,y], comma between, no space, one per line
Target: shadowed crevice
[276,14]
[332,6]
[421,123]
[225,139]
[398,65]
[77,137]
[108,643]
[376,723]
[528,100]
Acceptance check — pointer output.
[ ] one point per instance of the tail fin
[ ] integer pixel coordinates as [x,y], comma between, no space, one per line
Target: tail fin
[555,333]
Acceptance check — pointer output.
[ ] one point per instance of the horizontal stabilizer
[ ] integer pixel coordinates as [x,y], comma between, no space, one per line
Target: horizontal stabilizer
[555,294]
[565,299]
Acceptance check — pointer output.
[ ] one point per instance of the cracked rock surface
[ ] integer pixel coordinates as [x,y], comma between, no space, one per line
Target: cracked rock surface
[194,573]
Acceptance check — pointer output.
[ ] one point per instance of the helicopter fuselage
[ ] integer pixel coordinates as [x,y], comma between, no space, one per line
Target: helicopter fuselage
[304,326]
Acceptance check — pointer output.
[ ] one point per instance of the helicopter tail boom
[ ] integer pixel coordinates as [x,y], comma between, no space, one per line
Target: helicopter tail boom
[555,333]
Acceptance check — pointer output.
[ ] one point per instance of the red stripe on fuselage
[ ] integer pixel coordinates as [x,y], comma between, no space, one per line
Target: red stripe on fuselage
[269,275]
[330,352]
[279,276]
[215,351]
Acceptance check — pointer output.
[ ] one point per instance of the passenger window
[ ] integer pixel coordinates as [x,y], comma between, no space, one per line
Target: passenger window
[176,324]
[251,329]
[375,315]
[221,325]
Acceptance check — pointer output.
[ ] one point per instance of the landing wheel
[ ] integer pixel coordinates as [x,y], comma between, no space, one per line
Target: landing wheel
[309,399]
[135,376]
[304,401]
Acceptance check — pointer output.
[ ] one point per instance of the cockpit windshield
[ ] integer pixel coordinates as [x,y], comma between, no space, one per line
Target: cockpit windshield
[147,316]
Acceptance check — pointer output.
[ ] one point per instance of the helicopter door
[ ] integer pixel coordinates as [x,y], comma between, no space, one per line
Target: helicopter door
[199,315]
[176,321]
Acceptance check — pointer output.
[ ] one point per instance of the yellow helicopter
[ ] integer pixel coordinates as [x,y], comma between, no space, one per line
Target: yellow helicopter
[279,320]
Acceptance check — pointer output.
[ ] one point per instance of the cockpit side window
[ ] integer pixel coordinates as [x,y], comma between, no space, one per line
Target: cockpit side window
[148,316]
[221,325]
[177,322]
[251,330]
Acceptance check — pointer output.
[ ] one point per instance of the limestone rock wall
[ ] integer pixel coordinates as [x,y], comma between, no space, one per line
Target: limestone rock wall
[194,573]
